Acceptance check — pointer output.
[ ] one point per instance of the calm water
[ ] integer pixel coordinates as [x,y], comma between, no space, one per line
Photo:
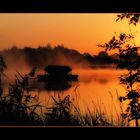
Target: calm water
[96,89]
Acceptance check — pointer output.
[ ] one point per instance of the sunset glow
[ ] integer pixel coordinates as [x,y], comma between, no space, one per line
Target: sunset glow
[82,32]
[69,69]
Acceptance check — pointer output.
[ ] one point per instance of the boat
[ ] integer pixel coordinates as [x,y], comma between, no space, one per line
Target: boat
[57,73]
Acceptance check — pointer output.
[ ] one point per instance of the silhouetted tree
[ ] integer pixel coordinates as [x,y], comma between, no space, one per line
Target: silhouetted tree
[132,18]
[47,55]
[129,59]
[89,57]
[2,68]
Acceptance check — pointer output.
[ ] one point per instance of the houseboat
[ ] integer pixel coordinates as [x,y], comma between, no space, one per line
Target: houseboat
[57,73]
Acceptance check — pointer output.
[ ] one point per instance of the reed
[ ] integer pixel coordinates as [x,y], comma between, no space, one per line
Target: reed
[64,112]
[16,107]
[20,107]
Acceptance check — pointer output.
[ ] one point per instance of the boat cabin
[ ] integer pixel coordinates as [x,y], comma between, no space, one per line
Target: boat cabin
[57,73]
[57,70]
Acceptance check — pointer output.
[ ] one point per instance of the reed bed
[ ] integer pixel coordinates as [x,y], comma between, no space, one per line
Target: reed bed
[20,107]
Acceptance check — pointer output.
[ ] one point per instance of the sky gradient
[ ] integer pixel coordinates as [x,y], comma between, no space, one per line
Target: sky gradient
[82,32]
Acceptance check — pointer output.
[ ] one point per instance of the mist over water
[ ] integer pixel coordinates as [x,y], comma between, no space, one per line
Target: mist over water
[99,88]
[23,60]
[94,87]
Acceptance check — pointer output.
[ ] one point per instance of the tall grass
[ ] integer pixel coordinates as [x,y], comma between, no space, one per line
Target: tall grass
[20,107]
[64,112]
[17,107]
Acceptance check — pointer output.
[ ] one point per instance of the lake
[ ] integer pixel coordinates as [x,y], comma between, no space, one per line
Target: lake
[96,89]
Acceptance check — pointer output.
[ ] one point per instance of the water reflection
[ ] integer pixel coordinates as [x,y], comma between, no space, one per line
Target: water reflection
[34,85]
[102,81]
[92,91]
[94,78]
[58,86]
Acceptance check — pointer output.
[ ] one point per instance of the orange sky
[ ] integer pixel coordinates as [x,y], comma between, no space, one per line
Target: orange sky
[77,31]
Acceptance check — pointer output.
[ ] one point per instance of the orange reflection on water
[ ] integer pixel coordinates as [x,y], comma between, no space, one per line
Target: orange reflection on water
[95,90]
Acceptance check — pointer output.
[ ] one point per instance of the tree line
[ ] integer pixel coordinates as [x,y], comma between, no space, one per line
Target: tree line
[45,55]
